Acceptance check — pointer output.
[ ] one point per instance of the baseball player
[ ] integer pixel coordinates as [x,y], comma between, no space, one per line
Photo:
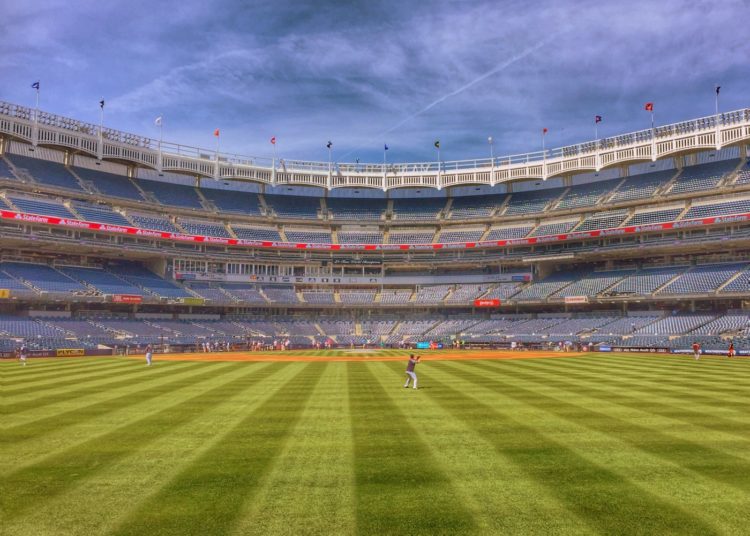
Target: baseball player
[410,370]
[149,355]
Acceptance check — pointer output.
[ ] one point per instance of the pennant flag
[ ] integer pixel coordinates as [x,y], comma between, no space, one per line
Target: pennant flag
[385,147]
[437,144]
[101,104]
[216,132]
[718,88]
[35,85]
[597,119]
[329,144]
[157,121]
[273,140]
[649,107]
[544,130]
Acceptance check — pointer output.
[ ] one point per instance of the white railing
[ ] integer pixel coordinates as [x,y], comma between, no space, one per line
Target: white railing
[712,132]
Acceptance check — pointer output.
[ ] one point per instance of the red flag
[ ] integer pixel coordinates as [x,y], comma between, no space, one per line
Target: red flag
[649,107]
[216,132]
[273,140]
[544,131]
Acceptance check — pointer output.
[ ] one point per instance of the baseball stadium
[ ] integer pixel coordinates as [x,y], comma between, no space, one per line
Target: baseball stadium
[199,342]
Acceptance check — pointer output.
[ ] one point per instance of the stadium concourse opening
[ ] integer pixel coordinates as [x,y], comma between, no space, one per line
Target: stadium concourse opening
[647,255]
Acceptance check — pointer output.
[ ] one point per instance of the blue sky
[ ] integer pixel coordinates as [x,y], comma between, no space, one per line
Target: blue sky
[364,73]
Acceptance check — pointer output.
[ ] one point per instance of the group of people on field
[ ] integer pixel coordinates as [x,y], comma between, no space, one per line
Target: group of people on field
[698,350]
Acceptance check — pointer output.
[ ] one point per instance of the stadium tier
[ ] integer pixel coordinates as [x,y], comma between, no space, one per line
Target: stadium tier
[102,253]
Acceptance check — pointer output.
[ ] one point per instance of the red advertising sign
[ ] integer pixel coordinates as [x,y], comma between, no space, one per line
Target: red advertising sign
[127,298]
[487,303]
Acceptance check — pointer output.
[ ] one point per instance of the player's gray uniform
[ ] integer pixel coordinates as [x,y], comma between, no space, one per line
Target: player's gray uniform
[410,372]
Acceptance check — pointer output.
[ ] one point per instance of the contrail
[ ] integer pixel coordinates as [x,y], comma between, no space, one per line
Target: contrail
[498,68]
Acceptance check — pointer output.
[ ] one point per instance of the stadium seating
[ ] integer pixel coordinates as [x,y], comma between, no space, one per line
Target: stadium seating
[173,195]
[359,297]
[585,195]
[654,216]
[702,177]
[45,172]
[287,206]
[470,207]
[508,233]
[414,236]
[41,207]
[602,220]
[423,209]
[356,209]
[642,186]
[203,228]
[311,236]
[555,228]
[5,172]
[540,290]
[395,296]
[153,222]
[592,284]
[281,294]
[676,324]
[702,279]
[725,208]
[531,202]
[43,278]
[148,281]
[101,280]
[256,233]
[235,202]
[431,294]
[460,235]
[100,214]
[110,184]
[352,237]
[646,281]
[321,297]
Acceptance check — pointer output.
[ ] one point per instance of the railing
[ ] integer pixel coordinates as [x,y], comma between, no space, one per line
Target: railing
[42,127]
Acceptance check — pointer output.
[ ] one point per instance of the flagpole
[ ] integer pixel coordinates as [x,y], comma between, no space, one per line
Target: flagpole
[718,88]
[101,129]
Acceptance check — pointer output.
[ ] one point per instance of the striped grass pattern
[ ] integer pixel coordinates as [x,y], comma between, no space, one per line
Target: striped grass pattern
[598,444]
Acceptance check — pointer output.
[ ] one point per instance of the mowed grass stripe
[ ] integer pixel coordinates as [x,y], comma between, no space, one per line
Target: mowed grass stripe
[106,380]
[100,502]
[401,488]
[36,384]
[673,366]
[150,385]
[604,499]
[208,496]
[14,371]
[502,498]
[677,449]
[687,401]
[612,378]
[310,489]
[61,470]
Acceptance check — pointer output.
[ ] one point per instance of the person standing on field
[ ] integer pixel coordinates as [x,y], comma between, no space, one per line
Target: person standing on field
[696,350]
[23,354]
[410,375]
[149,355]
[731,352]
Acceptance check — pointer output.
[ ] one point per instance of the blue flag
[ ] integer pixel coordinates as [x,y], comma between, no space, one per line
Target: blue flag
[385,147]
[35,85]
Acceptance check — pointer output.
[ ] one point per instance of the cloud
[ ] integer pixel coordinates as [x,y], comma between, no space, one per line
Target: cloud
[363,71]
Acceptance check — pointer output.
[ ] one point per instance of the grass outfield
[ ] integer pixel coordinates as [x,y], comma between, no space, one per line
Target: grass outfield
[597,444]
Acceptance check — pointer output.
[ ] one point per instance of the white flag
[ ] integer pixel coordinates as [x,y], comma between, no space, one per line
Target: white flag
[157,121]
